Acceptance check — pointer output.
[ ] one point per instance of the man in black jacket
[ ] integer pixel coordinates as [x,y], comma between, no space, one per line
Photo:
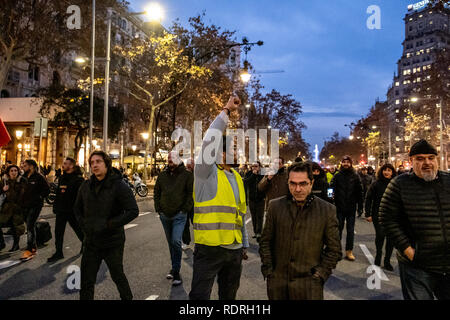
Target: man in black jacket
[347,197]
[104,205]
[36,190]
[173,201]
[256,198]
[415,214]
[66,194]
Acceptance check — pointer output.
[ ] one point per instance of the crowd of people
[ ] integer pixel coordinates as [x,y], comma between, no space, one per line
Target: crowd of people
[298,215]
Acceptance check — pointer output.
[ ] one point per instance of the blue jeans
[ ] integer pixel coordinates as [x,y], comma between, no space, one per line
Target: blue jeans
[174,227]
[418,284]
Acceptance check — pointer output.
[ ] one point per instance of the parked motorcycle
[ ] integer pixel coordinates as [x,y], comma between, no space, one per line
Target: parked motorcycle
[50,199]
[139,186]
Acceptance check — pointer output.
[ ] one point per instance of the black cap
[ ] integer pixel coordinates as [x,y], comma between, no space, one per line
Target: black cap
[422,147]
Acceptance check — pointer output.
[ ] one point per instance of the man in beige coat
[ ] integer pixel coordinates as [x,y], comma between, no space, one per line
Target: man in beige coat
[300,243]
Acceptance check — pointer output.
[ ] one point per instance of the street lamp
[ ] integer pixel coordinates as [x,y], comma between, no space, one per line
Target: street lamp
[351,137]
[19,134]
[155,13]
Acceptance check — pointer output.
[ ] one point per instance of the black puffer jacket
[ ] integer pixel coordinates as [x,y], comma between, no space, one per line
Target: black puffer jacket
[68,186]
[103,208]
[416,213]
[374,196]
[347,191]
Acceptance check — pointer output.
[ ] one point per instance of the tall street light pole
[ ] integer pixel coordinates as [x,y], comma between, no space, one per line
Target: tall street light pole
[91,100]
[442,154]
[108,61]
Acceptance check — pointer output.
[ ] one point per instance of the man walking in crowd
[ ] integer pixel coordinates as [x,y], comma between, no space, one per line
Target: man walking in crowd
[275,185]
[219,216]
[173,201]
[414,213]
[330,174]
[66,194]
[372,204]
[320,186]
[300,244]
[36,190]
[256,198]
[366,181]
[104,205]
[347,198]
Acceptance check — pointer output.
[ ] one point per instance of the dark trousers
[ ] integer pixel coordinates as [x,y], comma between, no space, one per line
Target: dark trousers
[418,284]
[32,214]
[305,288]
[210,262]
[379,242]
[60,227]
[90,264]
[349,217]
[173,228]
[257,211]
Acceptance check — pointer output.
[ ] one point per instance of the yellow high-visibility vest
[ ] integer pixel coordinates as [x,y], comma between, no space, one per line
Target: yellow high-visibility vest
[219,221]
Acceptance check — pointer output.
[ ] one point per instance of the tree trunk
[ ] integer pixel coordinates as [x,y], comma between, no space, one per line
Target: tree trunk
[4,67]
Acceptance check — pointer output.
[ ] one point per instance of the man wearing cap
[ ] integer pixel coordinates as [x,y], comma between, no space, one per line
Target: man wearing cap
[415,214]
[348,196]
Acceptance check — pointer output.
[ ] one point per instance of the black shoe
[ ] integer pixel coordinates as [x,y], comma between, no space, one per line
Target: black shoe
[177,279]
[15,247]
[388,266]
[170,275]
[57,256]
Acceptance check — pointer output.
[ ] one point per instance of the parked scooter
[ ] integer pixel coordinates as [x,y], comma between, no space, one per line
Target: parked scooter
[139,186]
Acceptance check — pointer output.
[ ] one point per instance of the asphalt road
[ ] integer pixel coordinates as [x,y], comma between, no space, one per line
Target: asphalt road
[147,261]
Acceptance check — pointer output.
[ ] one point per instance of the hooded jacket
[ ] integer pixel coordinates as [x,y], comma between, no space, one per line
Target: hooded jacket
[348,194]
[320,186]
[103,208]
[173,191]
[276,187]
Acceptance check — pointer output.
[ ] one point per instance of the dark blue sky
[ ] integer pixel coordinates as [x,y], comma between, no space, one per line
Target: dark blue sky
[335,66]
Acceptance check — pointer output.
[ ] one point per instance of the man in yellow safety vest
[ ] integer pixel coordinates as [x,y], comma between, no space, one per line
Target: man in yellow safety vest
[220,235]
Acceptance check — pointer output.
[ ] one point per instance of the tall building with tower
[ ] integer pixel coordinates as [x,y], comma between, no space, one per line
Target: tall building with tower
[427,31]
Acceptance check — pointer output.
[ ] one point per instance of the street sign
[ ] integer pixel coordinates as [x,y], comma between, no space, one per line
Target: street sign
[40,127]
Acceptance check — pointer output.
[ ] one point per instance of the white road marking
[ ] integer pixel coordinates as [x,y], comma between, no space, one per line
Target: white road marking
[152,298]
[8,263]
[369,257]
[248,220]
[128,226]
[144,214]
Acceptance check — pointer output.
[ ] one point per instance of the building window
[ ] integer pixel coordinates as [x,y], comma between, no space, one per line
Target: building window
[397,84]
[33,73]
[397,101]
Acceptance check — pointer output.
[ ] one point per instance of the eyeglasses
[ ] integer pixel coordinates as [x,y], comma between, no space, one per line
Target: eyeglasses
[302,184]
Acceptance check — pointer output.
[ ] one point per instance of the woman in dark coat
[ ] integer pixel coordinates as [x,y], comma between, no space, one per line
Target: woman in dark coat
[373,200]
[320,186]
[13,185]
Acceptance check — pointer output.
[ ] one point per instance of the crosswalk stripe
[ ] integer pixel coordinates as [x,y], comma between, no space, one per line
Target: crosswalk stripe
[8,263]
[128,226]
[369,257]
[144,214]
[152,298]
